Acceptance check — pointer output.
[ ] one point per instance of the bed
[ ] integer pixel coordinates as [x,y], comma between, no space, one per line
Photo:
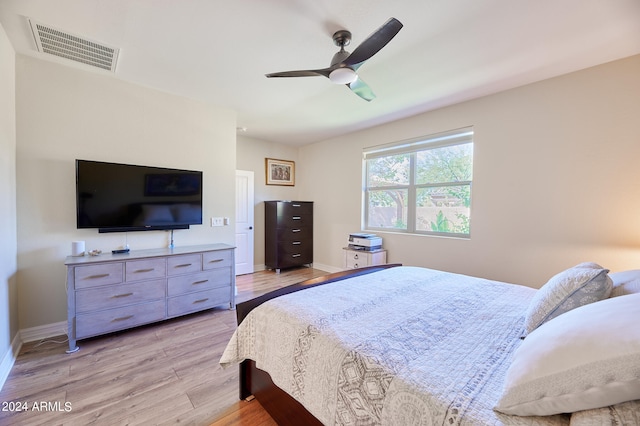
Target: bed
[398,345]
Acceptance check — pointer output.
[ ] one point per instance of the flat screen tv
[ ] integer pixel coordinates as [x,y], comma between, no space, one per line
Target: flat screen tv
[123,197]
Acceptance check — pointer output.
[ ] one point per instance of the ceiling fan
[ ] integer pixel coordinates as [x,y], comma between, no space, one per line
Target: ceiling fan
[344,64]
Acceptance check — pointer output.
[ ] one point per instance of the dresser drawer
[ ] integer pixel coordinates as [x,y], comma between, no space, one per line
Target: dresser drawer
[216,259]
[97,275]
[294,234]
[296,221]
[198,301]
[136,270]
[304,248]
[113,296]
[111,320]
[356,255]
[358,261]
[287,209]
[184,264]
[287,260]
[197,282]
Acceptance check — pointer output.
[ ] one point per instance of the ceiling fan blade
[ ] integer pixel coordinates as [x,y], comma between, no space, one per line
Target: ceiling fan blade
[302,73]
[362,89]
[374,42]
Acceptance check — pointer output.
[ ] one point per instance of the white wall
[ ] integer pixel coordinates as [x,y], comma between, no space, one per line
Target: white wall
[8,243]
[251,155]
[556,179]
[64,113]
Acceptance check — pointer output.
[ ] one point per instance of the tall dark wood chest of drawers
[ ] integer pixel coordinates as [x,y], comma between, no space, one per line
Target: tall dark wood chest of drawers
[288,234]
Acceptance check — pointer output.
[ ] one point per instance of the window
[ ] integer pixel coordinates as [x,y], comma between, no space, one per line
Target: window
[421,186]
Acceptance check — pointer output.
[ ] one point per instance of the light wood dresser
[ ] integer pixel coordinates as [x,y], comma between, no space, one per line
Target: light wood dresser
[113,292]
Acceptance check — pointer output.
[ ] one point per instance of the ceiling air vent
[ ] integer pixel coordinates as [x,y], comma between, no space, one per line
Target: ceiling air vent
[59,43]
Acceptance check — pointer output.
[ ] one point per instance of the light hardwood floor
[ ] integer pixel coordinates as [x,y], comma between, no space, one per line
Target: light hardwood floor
[165,373]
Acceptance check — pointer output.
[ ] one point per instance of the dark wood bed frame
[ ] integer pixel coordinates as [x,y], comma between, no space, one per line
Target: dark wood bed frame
[283,408]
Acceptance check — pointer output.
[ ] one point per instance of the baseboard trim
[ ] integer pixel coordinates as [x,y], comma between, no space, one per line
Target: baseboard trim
[43,331]
[9,359]
[326,268]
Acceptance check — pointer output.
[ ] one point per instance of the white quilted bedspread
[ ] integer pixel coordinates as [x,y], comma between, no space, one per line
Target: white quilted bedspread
[403,346]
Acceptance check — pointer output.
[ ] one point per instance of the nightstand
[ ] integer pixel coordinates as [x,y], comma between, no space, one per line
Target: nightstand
[361,258]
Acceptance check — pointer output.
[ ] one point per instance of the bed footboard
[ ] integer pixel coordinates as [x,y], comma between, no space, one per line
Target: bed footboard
[243,309]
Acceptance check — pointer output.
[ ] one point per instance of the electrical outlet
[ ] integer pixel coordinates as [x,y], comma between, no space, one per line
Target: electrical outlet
[217,221]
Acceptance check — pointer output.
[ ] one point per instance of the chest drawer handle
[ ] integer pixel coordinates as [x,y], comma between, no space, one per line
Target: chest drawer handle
[296,243]
[93,277]
[295,230]
[295,205]
[184,265]
[296,218]
[141,271]
[216,260]
[122,295]
[296,255]
[200,300]
[200,282]
[355,256]
[122,318]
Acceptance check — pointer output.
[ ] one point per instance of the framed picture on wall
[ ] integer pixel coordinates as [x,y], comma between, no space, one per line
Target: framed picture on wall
[280,172]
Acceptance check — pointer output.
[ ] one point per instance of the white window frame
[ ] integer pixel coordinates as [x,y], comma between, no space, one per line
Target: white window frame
[412,147]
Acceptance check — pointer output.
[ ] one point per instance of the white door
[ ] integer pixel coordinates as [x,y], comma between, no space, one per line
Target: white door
[244,222]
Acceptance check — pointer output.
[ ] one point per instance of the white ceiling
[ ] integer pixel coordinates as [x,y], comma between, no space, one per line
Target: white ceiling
[218,51]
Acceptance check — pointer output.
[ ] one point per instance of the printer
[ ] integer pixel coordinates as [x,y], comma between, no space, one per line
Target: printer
[365,242]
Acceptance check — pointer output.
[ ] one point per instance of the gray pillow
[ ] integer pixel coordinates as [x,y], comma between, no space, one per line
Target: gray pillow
[583,284]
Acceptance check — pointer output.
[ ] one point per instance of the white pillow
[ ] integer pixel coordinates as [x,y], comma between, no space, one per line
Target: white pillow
[625,282]
[584,283]
[586,358]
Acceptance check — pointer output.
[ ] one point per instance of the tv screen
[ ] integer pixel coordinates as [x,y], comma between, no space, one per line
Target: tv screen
[122,197]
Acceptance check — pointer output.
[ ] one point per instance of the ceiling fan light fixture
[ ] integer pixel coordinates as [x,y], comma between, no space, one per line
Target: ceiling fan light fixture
[343,75]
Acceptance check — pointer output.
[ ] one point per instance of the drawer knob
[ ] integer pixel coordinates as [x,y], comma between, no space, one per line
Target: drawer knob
[216,260]
[142,271]
[122,318]
[355,256]
[295,230]
[296,255]
[93,277]
[184,265]
[355,265]
[296,243]
[200,282]
[200,300]
[296,217]
[295,205]
[122,295]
